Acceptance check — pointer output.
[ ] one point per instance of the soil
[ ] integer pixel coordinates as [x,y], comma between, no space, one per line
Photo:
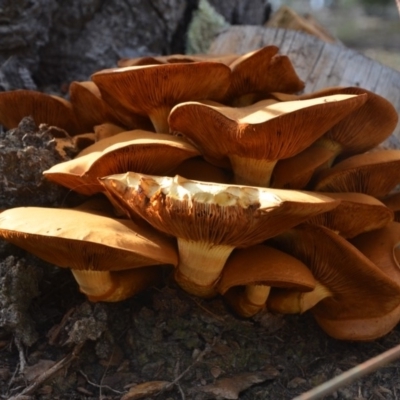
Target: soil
[179,346]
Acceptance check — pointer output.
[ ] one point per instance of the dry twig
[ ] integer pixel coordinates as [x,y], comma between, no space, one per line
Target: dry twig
[351,375]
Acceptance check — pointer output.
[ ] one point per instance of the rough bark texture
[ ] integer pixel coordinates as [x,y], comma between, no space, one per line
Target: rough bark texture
[47,42]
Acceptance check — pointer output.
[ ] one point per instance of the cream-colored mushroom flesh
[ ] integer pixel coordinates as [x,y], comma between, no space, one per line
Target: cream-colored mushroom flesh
[355,214]
[349,285]
[43,108]
[375,174]
[89,243]
[211,219]
[152,90]
[255,137]
[249,273]
[139,151]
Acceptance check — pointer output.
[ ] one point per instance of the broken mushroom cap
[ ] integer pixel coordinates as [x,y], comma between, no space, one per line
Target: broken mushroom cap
[249,273]
[43,108]
[355,214]
[349,285]
[375,174]
[257,73]
[255,137]
[209,219]
[136,150]
[93,245]
[153,90]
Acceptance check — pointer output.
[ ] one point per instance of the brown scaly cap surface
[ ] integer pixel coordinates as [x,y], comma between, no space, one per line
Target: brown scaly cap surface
[43,108]
[136,150]
[375,174]
[153,90]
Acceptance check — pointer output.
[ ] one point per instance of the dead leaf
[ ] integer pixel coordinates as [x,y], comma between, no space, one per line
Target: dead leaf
[230,388]
[143,390]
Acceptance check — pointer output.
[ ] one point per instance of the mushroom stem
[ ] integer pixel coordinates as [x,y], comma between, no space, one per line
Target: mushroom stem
[251,171]
[247,302]
[257,294]
[94,284]
[331,145]
[294,302]
[116,285]
[200,265]
[159,119]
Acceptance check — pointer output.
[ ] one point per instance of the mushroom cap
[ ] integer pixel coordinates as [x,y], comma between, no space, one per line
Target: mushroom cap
[375,174]
[232,215]
[380,246]
[363,129]
[143,89]
[355,214]
[263,71]
[43,108]
[359,289]
[265,130]
[82,240]
[296,172]
[136,150]
[177,58]
[91,110]
[264,265]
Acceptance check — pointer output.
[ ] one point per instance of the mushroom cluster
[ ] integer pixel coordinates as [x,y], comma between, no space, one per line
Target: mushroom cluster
[216,171]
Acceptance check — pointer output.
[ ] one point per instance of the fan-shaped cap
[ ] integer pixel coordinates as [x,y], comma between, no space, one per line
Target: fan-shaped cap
[353,287]
[375,174]
[81,240]
[257,73]
[136,150]
[355,214]
[211,219]
[235,215]
[363,129]
[43,108]
[153,90]
[255,137]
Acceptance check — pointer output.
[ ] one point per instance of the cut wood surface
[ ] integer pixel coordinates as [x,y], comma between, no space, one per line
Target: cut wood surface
[319,64]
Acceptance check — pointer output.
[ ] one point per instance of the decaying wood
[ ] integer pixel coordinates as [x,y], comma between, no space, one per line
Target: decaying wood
[319,64]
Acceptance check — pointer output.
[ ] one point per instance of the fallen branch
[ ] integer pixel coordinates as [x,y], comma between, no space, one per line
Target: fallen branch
[351,375]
